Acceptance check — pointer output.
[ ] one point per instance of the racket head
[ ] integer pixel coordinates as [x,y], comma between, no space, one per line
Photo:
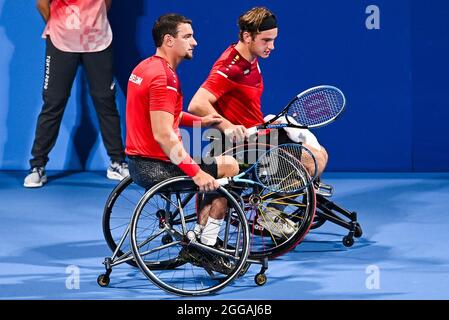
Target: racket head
[281,170]
[315,107]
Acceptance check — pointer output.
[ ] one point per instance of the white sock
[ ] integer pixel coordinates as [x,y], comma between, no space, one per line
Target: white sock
[210,231]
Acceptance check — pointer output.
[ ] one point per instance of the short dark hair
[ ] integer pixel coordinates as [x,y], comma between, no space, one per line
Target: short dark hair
[167,24]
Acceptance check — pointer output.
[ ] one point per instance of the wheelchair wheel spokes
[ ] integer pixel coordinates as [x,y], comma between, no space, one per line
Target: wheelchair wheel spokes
[188,218]
[159,248]
[277,222]
[197,269]
[157,239]
[117,214]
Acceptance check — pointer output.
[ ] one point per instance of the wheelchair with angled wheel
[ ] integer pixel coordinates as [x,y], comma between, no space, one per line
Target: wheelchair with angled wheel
[259,225]
[162,241]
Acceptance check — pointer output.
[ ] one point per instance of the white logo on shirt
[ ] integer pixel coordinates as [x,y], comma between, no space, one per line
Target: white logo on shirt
[73,20]
[135,79]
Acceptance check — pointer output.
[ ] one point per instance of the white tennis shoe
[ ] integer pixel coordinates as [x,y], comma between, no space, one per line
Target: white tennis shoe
[276,224]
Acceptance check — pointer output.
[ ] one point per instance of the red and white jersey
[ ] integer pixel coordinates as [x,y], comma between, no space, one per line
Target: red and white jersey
[79,25]
[152,86]
[238,85]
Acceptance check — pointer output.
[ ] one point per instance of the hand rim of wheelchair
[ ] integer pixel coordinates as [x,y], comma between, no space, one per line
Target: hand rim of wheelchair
[148,271]
[283,247]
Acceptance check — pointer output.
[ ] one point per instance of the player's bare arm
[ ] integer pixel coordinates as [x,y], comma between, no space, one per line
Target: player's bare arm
[162,128]
[43,6]
[202,105]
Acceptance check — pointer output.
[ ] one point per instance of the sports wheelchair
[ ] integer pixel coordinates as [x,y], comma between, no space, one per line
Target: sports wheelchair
[160,240]
[259,225]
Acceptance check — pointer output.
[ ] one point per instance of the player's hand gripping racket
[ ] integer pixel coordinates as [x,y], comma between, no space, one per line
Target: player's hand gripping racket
[279,170]
[315,107]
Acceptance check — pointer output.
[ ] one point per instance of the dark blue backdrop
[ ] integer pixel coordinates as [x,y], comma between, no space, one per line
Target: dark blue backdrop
[394,77]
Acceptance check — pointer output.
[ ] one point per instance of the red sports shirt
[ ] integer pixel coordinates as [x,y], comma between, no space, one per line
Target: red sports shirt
[238,85]
[153,85]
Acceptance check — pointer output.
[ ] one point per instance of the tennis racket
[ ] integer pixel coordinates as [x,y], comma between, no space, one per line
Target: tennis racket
[315,107]
[279,170]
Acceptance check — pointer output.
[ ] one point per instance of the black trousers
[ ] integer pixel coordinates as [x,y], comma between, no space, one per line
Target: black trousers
[60,72]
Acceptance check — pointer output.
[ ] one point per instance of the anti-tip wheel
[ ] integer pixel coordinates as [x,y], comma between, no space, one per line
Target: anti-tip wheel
[103,280]
[348,241]
[260,279]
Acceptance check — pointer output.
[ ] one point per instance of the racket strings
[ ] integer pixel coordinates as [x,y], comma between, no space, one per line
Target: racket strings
[280,169]
[316,107]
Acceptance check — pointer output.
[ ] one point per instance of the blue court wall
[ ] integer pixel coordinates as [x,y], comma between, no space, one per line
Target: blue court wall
[430,66]
[388,57]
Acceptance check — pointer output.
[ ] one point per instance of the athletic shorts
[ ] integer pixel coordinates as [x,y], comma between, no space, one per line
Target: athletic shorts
[146,172]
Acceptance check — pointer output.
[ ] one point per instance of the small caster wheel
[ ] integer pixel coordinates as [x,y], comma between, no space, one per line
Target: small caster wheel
[358,231]
[103,280]
[348,241]
[167,239]
[260,279]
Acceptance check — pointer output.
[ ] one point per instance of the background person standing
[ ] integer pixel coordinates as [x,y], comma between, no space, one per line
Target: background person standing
[77,32]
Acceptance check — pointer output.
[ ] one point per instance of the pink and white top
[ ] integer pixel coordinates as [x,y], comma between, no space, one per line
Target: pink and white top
[79,25]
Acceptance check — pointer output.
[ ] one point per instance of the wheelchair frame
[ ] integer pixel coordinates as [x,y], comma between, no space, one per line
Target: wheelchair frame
[134,256]
[120,255]
[303,214]
[330,211]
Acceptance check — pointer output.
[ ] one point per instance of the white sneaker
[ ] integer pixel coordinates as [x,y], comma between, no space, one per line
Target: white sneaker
[276,224]
[117,171]
[36,178]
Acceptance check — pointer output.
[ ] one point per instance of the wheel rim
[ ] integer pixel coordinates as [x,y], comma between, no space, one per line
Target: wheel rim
[189,278]
[295,210]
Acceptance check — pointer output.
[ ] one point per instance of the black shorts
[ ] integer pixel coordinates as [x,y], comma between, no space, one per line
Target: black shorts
[146,172]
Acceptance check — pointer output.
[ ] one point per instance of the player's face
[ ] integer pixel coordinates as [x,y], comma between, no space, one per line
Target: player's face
[263,43]
[184,41]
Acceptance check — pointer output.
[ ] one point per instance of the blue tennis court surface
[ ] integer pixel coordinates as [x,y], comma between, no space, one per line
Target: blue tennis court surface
[52,236]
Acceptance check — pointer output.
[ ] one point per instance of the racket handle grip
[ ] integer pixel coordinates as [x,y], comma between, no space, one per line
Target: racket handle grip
[251,131]
[277,126]
[223,181]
